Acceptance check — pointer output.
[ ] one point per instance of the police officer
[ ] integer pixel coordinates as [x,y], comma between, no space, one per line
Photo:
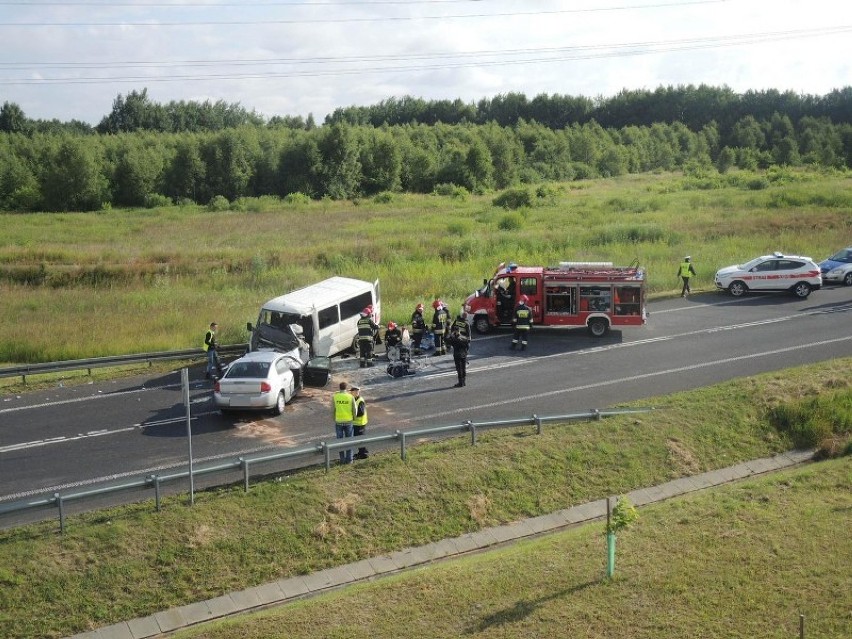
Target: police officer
[439,326]
[418,328]
[522,322]
[211,347]
[343,408]
[367,332]
[459,339]
[686,271]
[393,339]
[359,423]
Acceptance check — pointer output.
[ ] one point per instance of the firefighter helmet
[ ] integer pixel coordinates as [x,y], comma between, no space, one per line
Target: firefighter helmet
[367,311]
[437,304]
[524,300]
[391,326]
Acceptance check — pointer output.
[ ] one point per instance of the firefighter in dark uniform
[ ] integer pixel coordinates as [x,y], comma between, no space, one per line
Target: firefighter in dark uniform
[418,328]
[393,340]
[459,338]
[522,322]
[439,326]
[367,332]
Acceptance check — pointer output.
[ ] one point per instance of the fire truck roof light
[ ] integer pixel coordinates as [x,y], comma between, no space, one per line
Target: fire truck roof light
[585,264]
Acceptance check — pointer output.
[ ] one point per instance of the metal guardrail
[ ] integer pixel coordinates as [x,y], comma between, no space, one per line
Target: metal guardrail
[114,360]
[325,449]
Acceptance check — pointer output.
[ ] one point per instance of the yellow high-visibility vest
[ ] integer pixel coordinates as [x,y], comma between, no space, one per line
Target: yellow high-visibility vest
[360,420]
[344,407]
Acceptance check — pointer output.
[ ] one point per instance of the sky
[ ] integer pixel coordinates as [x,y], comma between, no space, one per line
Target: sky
[70,59]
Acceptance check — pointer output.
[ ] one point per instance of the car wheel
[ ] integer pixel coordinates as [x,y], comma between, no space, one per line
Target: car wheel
[280,403]
[598,327]
[737,289]
[481,324]
[847,279]
[802,290]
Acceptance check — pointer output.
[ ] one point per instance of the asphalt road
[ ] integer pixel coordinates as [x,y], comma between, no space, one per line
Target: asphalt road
[64,439]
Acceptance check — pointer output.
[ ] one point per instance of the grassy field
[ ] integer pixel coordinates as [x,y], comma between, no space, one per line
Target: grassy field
[743,561]
[78,285]
[128,562]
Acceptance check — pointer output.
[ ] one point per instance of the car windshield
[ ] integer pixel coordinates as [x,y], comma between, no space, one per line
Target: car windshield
[750,265]
[842,256]
[250,370]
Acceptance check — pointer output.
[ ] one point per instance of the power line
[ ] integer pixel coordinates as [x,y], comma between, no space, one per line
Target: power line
[153,64]
[542,56]
[327,20]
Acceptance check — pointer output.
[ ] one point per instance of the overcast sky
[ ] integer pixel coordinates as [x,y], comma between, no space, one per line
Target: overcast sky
[70,59]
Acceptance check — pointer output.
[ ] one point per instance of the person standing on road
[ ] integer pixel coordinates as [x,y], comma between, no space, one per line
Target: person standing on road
[522,321]
[459,339]
[211,347]
[439,326]
[418,328]
[343,409]
[359,423]
[686,271]
[368,331]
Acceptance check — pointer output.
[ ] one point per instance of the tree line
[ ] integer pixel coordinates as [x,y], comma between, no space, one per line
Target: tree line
[56,170]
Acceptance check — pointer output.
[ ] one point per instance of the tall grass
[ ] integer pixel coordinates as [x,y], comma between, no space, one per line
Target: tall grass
[85,284]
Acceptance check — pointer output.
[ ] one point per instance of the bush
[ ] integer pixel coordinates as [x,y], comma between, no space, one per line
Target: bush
[218,203]
[296,198]
[757,183]
[814,421]
[514,199]
[452,190]
[385,197]
[511,222]
[155,200]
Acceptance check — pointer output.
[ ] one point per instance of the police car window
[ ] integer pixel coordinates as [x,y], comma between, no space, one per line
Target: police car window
[768,265]
[788,265]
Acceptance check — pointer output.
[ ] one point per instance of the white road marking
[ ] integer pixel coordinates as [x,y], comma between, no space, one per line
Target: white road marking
[631,378]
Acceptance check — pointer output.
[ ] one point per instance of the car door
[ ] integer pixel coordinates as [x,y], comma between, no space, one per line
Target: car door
[763,276]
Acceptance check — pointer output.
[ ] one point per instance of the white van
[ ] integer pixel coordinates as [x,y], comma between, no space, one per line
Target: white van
[325,315]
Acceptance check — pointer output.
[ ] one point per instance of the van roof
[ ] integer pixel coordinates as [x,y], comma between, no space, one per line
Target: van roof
[318,295]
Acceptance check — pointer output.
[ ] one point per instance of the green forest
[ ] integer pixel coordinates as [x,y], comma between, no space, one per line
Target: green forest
[145,154]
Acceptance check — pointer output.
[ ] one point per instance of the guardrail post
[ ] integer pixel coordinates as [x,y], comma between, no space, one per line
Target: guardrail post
[327,456]
[537,422]
[596,415]
[472,430]
[156,481]
[61,507]
[401,436]
[244,464]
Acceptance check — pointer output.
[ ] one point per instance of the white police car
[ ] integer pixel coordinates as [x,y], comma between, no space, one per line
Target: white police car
[776,272]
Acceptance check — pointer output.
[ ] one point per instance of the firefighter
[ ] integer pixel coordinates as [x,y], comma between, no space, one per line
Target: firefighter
[368,331]
[418,328]
[522,322]
[439,326]
[393,339]
[459,338]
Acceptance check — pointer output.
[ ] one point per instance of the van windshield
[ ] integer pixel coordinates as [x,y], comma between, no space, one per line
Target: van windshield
[278,330]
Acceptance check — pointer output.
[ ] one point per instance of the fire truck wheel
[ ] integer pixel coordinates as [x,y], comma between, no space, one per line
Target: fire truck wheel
[481,324]
[598,327]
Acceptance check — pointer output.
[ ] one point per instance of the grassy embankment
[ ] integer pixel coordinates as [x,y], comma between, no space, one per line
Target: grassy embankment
[693,560]
[78,285]
[743,561]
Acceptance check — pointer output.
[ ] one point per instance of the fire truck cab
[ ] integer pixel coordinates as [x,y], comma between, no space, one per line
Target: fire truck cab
[597,295]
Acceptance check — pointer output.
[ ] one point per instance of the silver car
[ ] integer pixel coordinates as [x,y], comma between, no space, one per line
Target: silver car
[260,380]
[838,267]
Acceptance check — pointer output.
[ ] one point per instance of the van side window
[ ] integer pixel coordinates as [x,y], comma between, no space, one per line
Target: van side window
[354,305]
[328,316]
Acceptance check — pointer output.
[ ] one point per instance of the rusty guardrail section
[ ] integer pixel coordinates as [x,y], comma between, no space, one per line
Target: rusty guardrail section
[323,449]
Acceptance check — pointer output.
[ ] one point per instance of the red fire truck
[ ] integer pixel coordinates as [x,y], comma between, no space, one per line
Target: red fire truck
[597,295]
